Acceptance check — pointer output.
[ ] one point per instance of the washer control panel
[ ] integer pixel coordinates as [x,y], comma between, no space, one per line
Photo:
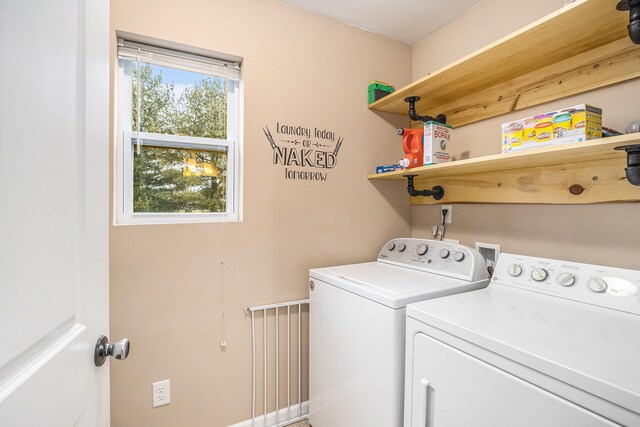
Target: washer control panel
[615,288]
[435,256]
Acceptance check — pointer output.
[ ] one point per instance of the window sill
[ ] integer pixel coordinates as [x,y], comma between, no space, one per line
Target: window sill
[171,219]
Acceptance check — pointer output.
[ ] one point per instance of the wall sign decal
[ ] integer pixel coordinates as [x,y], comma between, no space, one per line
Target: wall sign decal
[304,147]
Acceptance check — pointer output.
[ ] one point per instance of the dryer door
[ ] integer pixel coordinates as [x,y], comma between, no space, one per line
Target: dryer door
[452,389]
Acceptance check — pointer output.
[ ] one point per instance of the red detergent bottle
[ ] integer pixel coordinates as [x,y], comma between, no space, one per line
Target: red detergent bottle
[412,145]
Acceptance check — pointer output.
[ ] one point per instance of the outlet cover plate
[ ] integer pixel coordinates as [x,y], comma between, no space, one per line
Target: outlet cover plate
[161,393]
[490,252]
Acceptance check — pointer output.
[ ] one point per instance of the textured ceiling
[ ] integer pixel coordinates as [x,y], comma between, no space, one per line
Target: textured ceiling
[404,20]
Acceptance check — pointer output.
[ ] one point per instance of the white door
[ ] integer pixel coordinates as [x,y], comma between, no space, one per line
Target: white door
[53,211]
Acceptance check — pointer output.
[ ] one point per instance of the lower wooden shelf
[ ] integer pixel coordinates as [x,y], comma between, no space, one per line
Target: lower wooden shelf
[585,172]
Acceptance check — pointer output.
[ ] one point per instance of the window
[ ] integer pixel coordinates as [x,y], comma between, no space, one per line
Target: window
[178,126]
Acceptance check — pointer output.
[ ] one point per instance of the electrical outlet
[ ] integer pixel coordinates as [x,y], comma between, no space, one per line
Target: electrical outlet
[490,252]
[161,393]
[447,219]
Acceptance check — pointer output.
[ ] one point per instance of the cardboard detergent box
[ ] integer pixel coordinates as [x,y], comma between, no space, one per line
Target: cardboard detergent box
[574,124]
[436,143]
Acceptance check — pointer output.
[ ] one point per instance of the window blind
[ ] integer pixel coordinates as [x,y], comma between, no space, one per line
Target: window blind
[175,59]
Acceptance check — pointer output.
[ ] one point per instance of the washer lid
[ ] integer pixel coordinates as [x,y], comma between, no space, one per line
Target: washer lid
[592,348]
[391,285]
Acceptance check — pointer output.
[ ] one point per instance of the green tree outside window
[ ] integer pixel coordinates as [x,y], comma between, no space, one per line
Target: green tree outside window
[199,110]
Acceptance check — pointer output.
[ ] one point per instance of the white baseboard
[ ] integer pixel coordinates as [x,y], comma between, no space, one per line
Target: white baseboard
[282,415]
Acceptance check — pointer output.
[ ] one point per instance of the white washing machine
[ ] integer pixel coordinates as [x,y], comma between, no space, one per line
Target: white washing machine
[547,343]
[357,327]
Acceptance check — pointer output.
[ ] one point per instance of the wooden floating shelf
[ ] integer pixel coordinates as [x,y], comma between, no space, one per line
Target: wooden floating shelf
[592,169]
[581,47]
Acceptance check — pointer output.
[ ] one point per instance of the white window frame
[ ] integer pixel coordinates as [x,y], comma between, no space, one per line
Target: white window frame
[125,150]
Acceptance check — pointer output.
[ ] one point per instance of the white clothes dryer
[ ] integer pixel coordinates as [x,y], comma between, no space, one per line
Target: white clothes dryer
[547,343]
[357,326]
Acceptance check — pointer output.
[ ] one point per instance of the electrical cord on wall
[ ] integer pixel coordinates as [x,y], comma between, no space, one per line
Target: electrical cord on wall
[444,217]
[490,270]
[223,342]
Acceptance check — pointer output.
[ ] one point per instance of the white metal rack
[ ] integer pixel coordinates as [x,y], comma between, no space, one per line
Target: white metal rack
[284,416]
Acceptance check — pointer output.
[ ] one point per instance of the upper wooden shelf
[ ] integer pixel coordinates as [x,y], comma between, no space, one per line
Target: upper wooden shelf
[580,47]
[585,172]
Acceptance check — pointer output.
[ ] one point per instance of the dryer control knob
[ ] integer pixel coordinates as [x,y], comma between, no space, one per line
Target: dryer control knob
[402,247]
[515,270]
[539,274]
[444,253]
[458,256]
[391,246]
[566,279]
[422,249]
[597,284]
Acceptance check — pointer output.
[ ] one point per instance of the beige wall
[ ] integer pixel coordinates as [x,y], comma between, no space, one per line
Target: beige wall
[166,281]
[607,233]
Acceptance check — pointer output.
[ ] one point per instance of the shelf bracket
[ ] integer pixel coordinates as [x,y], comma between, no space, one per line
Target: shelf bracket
[413,115]
[633,162]
[633,6]
[437,192]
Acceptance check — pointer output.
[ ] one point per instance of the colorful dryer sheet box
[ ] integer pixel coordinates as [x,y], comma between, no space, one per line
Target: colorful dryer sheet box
[437,143]
[388,168]
[568,125]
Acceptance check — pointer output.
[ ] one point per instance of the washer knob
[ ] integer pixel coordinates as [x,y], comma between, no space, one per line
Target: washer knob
[566,279]
[597,284]
[444,253]
[391,246]
[458,256]
[402,247]
[515,270]
[539,274]
[422,249]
